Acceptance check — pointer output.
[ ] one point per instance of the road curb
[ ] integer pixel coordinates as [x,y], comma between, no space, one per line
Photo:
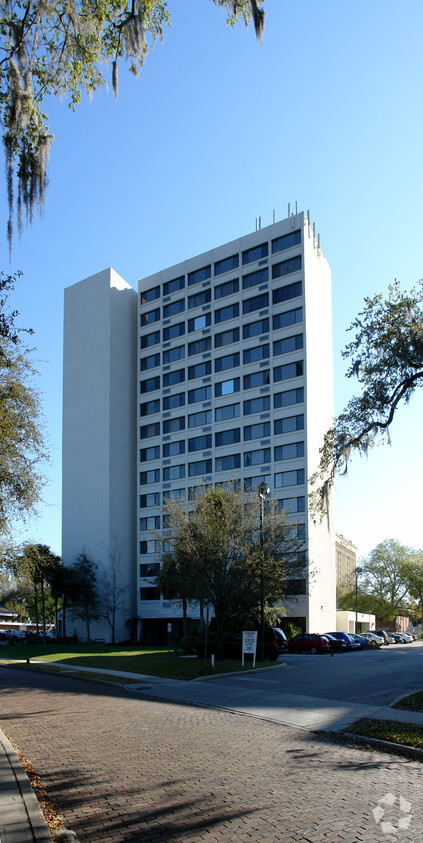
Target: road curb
[35,827]
[238,672]
[390,746]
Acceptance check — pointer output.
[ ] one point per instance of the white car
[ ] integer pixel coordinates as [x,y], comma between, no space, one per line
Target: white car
[373,639]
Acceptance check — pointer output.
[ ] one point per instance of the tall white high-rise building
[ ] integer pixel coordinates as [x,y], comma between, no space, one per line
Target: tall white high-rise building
[231,375]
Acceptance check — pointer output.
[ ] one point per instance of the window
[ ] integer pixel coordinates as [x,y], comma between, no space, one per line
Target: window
[257,405]
[290,370]
[150,523]
[147,454]
[251,484]
[174,354]
[150,385]
[289,452]
[174,495]
[171,378]
[256,431]
[149,569]
[202,393]
[172,449]
[290,396]
[301,531]
[200,370]
[173,331]
[288,344]
[226,264]
[170,402]
[226,338]
[152,476]
[200,443]
[254,278]
[253,329]
[149,593]
[289,424]
[199,346]
[290,317]
[225,313]
[284,268]
[198,419]
[292,504]
[174,286]
[173,425]
[153,499]
[151,316]
[199,275]
[227,437]
[257,379]
[259,457]
[174,472]
[147,340]
[289,478]
[296,586]
[150,407]
[227,362]
[226,289]
[200,467]
[253,355]
[227,463]
[173,308]
[229,411]
[286,241]
[149,430]
[255,253]
[256,303]
[150,295]
[199,322]
[226,387]
[290,291]
[149,362]
[198,299]
[149,546]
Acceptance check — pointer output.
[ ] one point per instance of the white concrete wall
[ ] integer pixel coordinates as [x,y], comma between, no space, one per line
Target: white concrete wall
[99,429]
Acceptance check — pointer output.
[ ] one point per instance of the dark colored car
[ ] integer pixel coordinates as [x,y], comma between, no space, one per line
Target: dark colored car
[276,639]
[344,636]
[309,642]
[360,639]
[337,644]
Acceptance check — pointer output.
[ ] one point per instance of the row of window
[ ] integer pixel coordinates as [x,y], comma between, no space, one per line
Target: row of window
[250,330]
[231,462]
[294,588]
[222,314]
[228,411]
[279,244]
[228,361]
[226,387]
[293,450]
[228,462]
[152,522]
[289,424]
[291,505]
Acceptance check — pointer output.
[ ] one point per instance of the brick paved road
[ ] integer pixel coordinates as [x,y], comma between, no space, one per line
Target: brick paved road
[121,768]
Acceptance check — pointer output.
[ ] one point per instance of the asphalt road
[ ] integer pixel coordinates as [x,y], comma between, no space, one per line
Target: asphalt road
[124,767]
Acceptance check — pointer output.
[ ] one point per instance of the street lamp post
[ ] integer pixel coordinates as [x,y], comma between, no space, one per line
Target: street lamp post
[263,491]
[357,573]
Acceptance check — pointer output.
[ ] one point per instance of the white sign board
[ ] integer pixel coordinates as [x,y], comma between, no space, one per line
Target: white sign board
[169,627]
[249,644]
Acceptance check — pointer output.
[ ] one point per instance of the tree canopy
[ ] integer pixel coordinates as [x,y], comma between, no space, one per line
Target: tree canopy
[386,358]
[61,49]
[215,553]
[22,445]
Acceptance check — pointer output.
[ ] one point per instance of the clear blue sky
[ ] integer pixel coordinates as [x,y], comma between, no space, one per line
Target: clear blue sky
[216,131]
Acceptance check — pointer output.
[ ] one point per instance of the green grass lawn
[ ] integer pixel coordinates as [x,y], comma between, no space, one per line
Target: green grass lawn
[389,730]
[414,702]
[154,661]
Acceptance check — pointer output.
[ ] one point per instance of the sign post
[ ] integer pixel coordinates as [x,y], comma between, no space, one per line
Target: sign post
[249,644]
[169,630]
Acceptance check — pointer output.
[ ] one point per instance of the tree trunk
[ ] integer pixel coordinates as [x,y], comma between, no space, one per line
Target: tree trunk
[36,608]
[43,609]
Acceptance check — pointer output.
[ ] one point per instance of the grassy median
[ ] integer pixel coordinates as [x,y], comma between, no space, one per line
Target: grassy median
[153,661]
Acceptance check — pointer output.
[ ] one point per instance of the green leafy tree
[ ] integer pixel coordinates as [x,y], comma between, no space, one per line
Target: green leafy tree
[61,49]
[386,358]
[414,577]
[38,564]
[22,446]
[85,603]
[216,554]
[384,581]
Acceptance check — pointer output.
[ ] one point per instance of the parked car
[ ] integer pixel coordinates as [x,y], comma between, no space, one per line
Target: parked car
[387,637]
[14,636]
[373,639]
[401,637]
[337,645]
[363,642]
[307,642]
[276,638]
[344,636]
[3,637]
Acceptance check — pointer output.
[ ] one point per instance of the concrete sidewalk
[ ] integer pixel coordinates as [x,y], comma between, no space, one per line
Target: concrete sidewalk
[21,818]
